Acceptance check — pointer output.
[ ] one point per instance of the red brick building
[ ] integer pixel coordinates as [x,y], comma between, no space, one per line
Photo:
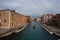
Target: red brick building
[28,19]
[11,19]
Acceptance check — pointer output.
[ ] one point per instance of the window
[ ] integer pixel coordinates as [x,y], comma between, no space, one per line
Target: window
[0,24]
[4,20]
[0,14]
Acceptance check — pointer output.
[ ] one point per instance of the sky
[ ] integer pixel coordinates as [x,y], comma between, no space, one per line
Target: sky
[34,8]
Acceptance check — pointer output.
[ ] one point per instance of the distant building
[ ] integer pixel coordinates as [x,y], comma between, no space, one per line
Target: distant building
[38,19]
[11,19]
[32,19]
[42,18]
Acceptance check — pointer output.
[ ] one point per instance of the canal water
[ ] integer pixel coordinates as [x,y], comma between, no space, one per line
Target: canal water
[33,31]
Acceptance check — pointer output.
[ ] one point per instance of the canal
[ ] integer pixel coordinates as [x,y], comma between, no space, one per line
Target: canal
[32,33]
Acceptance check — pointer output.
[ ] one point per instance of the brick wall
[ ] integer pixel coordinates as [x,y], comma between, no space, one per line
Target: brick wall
[11,19]
[4,19]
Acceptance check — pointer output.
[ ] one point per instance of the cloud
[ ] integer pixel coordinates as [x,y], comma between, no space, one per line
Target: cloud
[11,4]
[32,7]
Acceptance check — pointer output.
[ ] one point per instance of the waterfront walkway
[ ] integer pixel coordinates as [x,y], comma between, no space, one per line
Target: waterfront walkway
[52,29]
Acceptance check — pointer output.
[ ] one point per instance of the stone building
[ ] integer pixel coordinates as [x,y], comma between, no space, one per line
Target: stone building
[11,19]
[47,17]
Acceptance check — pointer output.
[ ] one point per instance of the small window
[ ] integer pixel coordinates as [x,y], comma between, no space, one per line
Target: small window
[0,24]
[4,20]
[0,14]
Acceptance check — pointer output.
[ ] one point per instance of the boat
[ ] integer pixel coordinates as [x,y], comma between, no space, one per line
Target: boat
[34,27]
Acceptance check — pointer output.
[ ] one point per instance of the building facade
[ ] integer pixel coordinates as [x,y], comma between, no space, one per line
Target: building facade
[56,20]
[47,17]
[11,19]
